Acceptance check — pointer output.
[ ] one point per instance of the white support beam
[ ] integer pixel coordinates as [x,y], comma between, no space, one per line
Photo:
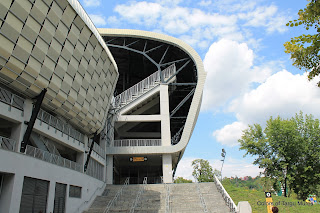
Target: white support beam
[167,168]
[139,118]
[109,175]
[165,115]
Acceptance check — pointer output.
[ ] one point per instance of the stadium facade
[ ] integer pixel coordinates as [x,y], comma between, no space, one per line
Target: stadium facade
[82,107]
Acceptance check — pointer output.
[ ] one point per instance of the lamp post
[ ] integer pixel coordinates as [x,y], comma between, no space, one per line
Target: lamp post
[223,155]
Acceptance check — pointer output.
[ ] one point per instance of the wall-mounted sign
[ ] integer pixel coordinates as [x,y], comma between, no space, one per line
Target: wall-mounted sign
[138,159]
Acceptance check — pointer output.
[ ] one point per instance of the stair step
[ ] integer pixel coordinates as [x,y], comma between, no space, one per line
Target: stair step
[184,198]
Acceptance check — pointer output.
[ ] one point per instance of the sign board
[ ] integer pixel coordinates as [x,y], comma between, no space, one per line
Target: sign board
[138,159]
[269,201]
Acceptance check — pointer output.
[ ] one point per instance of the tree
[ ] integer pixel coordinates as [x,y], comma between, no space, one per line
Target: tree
[202,171]
[182,180]
[304,49]
[288,150]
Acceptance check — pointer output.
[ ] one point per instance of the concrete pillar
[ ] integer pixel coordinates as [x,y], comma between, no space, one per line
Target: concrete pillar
[109,178]
[18,131]
[6,192]
[13,193]
[165,115]
[81,156]
[167,168]
[51,195]
[80,159]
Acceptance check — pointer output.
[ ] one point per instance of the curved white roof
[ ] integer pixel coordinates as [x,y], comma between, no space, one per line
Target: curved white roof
[196,101]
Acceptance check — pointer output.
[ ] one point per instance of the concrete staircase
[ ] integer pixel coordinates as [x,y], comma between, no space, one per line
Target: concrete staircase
[101,202]
[213,199]
[184,198]
[153,199]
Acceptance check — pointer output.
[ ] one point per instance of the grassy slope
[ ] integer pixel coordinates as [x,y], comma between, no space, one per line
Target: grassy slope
[256,197]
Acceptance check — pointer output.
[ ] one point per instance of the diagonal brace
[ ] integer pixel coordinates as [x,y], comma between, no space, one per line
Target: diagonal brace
[95,138]
[176,73]
[32,121]
[182,102]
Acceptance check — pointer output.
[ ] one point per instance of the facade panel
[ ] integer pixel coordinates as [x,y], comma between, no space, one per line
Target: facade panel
[51,45]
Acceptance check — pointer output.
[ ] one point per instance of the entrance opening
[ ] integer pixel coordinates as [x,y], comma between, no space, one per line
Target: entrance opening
[138,167]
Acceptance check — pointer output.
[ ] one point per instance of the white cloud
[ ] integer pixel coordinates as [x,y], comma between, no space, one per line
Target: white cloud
[176,20]
[98,20]
[92,3]
[230,134]
[140,12]
[232,6]
[266,16]
[234,19]
[231,167]
[204,3]
[240,168]
[230,71]
[168,2]
[282,94]
[113,21]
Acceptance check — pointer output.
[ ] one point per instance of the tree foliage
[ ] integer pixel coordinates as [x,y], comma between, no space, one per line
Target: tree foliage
[287,146]
[304,49]
[182,180]
[202,171]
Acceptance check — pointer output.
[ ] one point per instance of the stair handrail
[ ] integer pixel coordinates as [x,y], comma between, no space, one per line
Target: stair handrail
[146,83]
[117,196]
[232,206]
[136,89]
[169,71]
[87,201]
[141,190]
[136,142]
[202,201]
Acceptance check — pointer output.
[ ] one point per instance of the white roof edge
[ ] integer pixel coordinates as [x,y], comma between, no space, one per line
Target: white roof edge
[156,36]
[86,19]
[196,100]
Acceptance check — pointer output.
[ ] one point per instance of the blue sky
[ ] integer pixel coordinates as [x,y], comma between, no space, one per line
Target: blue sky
[249,77]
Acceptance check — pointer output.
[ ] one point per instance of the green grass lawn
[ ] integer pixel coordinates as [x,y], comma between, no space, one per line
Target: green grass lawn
[257,199]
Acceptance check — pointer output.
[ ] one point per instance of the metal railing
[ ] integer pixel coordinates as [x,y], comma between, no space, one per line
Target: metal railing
[202,201]
[138,89]
[51,158]
[141,190]
[117,197]
[7,144]
[232,206]
[136,142]
[11,99]
[60,125]
[95,169]
[93,195]
[98,149]
[169,71]
[49,144]
[168,191]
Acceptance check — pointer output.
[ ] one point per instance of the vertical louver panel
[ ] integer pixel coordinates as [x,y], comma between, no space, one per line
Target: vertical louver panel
[26,204]
[34,195]
[60,198]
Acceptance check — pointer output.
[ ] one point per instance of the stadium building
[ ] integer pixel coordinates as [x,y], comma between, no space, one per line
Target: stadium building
[82,107]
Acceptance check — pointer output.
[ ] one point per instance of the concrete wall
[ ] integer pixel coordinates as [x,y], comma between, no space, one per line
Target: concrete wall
[21,165]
